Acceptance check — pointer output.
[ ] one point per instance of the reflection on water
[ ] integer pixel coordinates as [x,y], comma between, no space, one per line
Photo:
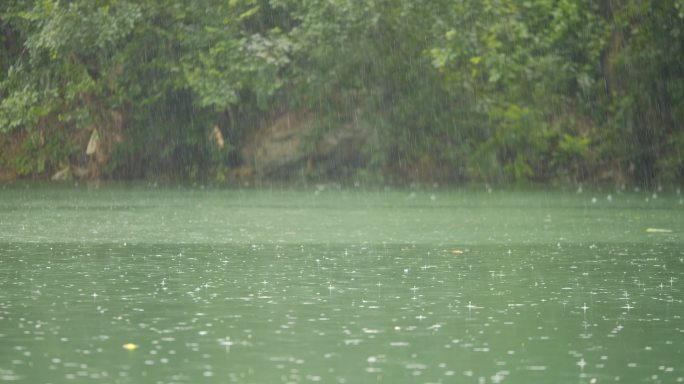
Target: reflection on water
[347,311]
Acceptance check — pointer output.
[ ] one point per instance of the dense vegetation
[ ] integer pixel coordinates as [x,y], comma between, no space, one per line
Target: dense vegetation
[457,90]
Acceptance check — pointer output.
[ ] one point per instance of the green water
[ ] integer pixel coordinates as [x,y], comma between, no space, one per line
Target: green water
[339,286]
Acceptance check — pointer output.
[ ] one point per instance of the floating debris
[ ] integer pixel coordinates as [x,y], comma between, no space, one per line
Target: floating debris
[130,346]
[658,230]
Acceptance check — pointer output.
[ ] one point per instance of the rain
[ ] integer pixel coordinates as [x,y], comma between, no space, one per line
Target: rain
[268,191]
[489,290]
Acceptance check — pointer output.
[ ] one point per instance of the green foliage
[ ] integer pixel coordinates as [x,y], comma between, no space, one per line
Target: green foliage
[233,65]
[483,90]
[22,108]
[39,153]
[525,65]
[649,100]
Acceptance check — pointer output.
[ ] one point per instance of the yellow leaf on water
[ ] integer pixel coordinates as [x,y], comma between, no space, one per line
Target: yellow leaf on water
[130,346]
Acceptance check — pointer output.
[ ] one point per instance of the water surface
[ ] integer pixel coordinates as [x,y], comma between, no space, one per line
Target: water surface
[346,286]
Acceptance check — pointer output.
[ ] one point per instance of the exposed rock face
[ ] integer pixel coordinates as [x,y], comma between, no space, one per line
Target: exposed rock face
[343,145]
[291,143]
[277,147]
[70,172]
[62,175]
[93,143]
[216,137]
[104,136]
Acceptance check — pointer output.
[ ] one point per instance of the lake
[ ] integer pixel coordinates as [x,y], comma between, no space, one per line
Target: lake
[139,283]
